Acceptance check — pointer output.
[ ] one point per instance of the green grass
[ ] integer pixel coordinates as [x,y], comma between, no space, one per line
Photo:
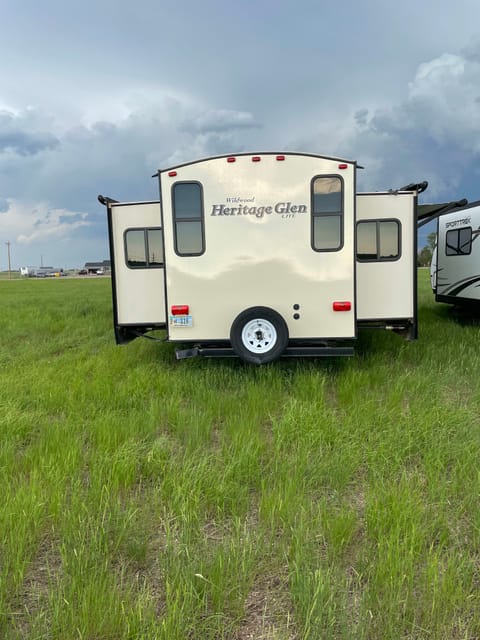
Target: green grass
[148,498]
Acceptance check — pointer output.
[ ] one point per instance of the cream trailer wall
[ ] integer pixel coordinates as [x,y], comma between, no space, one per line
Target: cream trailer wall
[386,271]
[139,276]
[261,254]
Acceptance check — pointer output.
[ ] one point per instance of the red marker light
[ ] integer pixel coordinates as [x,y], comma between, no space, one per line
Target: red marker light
[343,166]
[342,306]
[180,309]
[231,159]
[256,159]
[172,174]
[280,158]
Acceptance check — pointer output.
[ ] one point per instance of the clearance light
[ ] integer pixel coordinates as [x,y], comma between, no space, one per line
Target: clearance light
[343,166]
[172,174]
[342,306]
[231,159]
[256,158]
[179,309]
[280,158]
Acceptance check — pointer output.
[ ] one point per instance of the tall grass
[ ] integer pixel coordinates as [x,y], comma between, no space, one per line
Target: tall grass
[149,498]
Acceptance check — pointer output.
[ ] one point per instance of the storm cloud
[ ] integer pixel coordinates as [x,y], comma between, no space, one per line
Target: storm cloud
[19,134]
[433,133]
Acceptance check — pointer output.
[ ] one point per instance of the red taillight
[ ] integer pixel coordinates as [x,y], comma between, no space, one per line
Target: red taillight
[343,166]
[256,158]
[231,159]
[280,158]
[172,174]
[179,309]
[342,306]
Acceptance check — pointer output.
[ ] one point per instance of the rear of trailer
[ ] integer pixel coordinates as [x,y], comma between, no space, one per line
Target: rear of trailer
[264,255]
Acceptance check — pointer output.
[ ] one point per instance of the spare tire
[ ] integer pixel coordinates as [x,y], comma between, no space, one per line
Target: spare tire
[259,335]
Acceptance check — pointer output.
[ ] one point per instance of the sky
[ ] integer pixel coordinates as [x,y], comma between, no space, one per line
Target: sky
[95,97]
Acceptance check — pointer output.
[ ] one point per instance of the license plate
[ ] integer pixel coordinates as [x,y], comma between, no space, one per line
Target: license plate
[181,321]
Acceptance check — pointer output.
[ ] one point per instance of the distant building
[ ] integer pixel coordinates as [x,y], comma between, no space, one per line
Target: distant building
[94,267]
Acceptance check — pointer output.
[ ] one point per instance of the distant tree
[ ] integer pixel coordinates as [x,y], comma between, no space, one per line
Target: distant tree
[425,257]
[432,240]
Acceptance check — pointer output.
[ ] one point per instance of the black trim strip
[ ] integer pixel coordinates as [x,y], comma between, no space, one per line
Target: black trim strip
[355,307]
[456,300]
[290,352]
[414,331]
[127,332]
[456,288]
[113,272]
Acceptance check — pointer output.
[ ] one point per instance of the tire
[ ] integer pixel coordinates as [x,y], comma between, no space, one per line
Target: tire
[259,335]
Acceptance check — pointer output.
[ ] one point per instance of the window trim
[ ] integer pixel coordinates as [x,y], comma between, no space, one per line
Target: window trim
[200,219]
[458,252]
[340,214]
[145,240]
[378,221]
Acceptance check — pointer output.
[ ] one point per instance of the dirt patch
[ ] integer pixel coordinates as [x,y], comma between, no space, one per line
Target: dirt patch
[31,602]
[268,611]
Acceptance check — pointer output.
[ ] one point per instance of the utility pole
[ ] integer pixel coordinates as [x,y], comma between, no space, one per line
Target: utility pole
[9,263]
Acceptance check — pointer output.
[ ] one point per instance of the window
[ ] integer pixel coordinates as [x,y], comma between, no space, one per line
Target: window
[378,240]
[144,248]
[327,213]
[459,242]
[187,203]
[155,247]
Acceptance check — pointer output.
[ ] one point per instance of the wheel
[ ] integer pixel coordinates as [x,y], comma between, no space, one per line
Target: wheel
[259,335]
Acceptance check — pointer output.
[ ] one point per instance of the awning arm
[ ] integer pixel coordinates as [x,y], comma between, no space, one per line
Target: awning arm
[428,212]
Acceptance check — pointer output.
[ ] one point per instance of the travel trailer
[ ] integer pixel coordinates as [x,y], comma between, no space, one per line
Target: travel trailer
[27,272]
[264,255]
[455,269]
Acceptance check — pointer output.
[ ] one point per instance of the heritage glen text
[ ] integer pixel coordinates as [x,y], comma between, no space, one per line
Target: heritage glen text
[258,212]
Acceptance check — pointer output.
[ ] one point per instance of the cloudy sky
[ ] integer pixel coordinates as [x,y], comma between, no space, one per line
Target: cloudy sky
[96,96]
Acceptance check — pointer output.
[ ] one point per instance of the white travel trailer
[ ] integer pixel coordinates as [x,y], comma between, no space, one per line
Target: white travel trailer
[27,272]
[455,269]
[264,255]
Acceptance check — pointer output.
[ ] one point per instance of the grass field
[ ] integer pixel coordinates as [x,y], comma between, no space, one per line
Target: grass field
[148,498]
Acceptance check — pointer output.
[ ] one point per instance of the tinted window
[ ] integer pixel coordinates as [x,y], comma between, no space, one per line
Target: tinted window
[327,213]
[378,240]
[189,238]
[459,242]
[367,240]
[155,247]
[135,248]
[326,232]
[389,239]
[327,195]
[143,248]
[187,202]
